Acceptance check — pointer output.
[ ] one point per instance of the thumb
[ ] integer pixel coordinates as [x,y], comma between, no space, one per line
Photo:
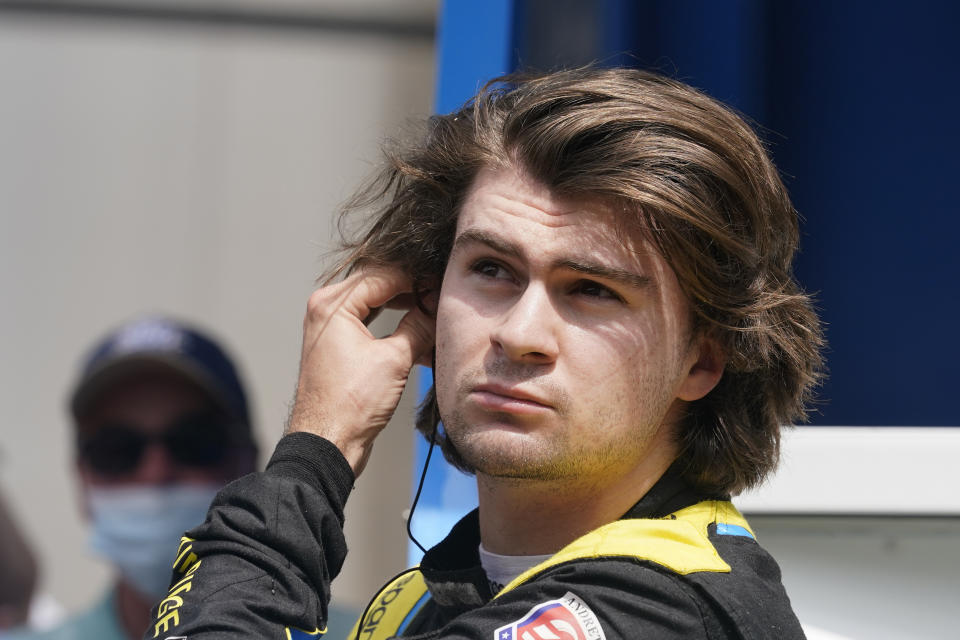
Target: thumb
[414,336]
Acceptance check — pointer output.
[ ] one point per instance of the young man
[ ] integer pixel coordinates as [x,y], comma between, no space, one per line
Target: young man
[598,265]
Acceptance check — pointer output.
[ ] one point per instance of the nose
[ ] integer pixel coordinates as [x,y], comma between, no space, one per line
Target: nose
[156,467]
[527,329]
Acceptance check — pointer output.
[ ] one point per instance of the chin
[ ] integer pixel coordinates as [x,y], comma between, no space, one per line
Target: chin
[510,454]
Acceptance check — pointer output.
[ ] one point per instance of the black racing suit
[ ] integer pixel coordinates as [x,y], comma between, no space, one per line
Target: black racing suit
[676,566]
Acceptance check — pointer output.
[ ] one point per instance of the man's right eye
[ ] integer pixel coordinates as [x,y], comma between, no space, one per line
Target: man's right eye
[489,269]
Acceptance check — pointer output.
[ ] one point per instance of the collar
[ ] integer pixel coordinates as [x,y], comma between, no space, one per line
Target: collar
[452,568]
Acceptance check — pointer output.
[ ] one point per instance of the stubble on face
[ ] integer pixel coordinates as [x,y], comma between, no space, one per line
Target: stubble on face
[560,451]
[522,461]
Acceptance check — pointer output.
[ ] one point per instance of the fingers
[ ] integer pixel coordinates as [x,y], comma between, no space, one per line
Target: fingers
[372,288]
[351,381]
[401,301]
[358,298]
[361,296]
[414,337]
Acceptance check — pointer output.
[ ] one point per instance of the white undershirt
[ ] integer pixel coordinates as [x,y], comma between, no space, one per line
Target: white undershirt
[501,570]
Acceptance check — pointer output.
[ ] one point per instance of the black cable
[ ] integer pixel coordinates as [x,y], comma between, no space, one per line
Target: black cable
[423,477]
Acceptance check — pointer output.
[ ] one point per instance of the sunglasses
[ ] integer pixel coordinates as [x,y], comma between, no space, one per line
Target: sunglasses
[194,440]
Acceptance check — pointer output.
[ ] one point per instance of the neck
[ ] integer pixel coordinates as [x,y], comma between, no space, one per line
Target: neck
[534,517]
[133,610]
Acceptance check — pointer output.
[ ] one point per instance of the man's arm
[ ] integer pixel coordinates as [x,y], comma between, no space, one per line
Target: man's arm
[264,559]
[272,542]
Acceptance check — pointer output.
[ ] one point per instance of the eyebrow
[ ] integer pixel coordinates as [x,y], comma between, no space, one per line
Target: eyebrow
[476,236]
[586,267]
[627,278]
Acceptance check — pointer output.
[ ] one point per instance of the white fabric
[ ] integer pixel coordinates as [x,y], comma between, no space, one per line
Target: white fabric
[501,570]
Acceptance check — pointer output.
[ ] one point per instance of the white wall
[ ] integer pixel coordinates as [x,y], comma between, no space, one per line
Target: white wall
[189,170]
[865,524]
[868,578]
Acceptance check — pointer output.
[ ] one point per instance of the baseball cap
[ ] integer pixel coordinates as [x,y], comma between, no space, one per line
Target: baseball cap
[162,343]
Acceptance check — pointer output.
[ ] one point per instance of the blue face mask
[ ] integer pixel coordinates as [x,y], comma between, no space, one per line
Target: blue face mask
[138,529]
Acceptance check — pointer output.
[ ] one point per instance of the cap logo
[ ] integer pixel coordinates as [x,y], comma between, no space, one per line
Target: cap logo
[149,336]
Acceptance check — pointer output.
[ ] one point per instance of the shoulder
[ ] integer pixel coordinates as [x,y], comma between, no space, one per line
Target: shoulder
[699,569]
[751,595]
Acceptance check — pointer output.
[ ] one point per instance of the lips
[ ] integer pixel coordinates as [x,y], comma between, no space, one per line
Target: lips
[507,399]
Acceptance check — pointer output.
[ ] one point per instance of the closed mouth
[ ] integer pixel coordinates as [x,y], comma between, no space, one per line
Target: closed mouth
[506,396]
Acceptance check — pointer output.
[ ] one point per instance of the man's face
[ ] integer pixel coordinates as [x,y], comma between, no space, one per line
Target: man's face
[153,430]
[564,348]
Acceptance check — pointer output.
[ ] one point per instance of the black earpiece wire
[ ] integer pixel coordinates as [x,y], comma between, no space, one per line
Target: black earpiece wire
[416,497]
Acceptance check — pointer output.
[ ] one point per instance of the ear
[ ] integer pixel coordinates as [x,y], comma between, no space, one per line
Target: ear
[705,368]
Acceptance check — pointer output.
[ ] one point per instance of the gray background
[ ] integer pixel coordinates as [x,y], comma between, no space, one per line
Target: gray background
[193,170]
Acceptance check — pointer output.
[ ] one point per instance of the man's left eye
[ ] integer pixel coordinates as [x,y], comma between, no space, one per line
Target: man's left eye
[594,290]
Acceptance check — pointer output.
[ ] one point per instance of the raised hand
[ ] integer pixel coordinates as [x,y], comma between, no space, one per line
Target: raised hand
[350,381]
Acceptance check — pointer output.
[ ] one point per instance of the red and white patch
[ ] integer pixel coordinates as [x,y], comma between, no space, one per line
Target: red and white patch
[568,618]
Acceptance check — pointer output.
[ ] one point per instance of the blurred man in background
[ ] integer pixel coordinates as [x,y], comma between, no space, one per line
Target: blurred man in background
[161,424]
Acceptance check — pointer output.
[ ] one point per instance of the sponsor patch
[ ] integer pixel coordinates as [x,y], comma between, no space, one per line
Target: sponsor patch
[568,618]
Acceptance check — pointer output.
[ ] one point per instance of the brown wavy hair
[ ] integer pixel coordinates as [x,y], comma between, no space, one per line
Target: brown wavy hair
[688,172]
